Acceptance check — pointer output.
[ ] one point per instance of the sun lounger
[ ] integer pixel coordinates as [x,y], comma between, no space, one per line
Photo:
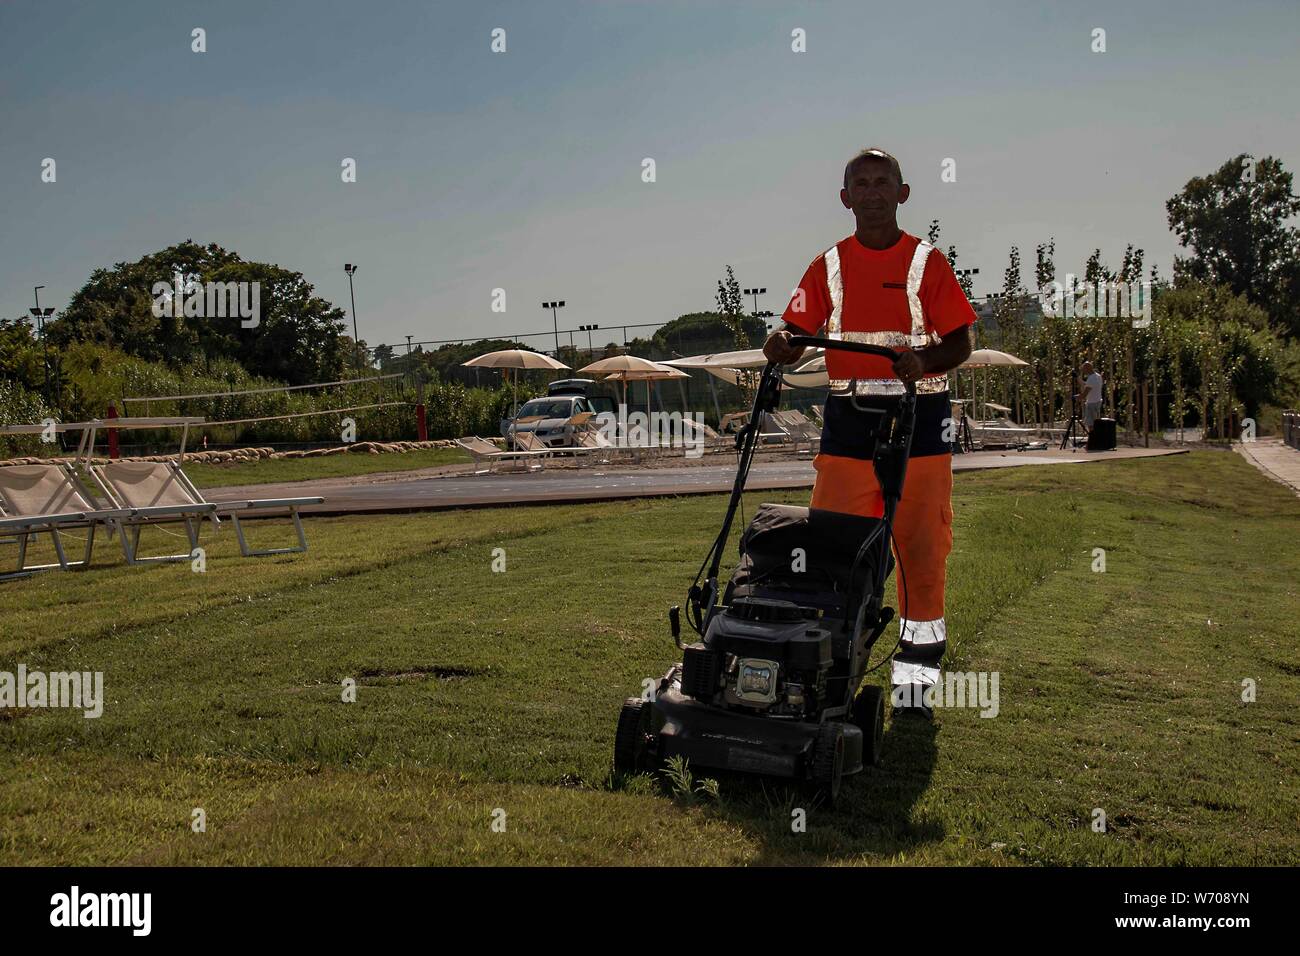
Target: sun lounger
[529,442]
[800,430]
[602,448]
[484,452]
[49,499]
[155,492]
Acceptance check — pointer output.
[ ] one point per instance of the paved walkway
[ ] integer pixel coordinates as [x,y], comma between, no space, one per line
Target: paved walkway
[1274,458]
[406,492]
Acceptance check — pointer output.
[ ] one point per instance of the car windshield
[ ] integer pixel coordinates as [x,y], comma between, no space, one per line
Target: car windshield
[547,408]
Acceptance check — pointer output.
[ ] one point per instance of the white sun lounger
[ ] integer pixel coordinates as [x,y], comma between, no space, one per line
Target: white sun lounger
[483,451]
[47,498]
[155,489]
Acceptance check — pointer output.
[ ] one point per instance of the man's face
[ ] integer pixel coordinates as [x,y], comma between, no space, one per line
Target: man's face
[1087,369]
[873,193]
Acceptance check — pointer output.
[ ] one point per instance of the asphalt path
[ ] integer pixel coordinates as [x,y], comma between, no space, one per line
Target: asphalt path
[417,491]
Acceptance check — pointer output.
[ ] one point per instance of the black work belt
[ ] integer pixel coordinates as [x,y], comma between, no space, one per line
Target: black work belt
[851,424]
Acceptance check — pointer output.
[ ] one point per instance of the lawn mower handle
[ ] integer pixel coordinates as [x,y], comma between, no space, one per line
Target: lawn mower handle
[812,341]
[703,601]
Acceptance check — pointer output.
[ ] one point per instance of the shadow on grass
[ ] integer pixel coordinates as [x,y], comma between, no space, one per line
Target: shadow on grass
[875,816]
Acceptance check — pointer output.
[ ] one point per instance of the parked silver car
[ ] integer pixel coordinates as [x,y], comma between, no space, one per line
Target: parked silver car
[548,418]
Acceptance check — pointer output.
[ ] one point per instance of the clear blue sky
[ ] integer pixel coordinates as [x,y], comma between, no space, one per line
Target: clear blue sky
[523,170]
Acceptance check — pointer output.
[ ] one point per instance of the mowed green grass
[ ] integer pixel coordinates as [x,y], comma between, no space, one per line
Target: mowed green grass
[483,693]
[327,466]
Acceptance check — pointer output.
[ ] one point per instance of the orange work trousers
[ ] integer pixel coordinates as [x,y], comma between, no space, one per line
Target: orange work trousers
[922,522]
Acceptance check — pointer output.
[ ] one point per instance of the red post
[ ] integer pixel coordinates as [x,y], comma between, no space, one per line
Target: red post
[112,433]
[421,425]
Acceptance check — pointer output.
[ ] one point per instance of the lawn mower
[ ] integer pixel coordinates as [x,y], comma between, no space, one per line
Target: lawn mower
[769,688]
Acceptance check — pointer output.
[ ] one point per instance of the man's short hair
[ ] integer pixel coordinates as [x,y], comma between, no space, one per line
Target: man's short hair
[873,153]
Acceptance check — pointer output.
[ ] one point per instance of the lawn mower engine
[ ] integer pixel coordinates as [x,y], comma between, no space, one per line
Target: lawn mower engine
[761,655]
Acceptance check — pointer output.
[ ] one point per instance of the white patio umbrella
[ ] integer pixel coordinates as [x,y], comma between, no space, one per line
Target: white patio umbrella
[988,358]
[744,358]
[660,372]
[811,375]
[983,358]
[620,363]
[517,359]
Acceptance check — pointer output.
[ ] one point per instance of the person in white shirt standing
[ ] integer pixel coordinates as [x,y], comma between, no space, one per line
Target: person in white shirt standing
[1092,387]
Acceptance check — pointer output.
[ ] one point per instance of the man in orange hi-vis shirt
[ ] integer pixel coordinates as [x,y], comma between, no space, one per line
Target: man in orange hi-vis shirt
[884,287]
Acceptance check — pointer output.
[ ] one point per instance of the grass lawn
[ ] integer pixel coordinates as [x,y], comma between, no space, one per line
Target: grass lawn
[481,692]
[330,466]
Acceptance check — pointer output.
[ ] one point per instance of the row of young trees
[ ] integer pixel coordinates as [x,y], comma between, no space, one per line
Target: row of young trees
[1222,343]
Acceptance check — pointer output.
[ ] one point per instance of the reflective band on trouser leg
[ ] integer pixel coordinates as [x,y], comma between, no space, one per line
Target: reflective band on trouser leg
[919,653]
[922,541]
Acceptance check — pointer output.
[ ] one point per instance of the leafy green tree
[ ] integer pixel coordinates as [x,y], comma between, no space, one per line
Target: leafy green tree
[1235,223]
[698,332]
[446,360]
[1222,348]
[731,306]
[20,354]
[297,338]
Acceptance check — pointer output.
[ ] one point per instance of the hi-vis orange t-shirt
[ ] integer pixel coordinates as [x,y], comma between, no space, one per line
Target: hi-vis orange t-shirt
[875,300]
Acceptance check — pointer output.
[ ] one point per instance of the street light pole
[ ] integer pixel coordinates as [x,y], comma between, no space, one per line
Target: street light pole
[555,322]
[41,315]
[755,293]
[351,270]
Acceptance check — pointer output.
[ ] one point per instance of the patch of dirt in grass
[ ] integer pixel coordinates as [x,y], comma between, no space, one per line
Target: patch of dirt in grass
[252,713]
[1286,667]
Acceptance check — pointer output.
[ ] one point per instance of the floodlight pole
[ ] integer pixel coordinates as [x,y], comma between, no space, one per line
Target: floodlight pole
[41,315]
[555,322]
[351,270]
